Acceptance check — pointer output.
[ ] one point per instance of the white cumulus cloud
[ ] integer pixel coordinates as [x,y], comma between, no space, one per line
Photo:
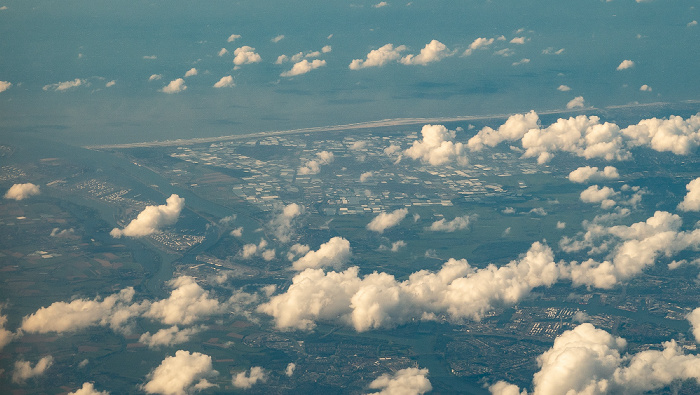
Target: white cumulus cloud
[175,86]
[187,303]
[384,221]
[5,85]
[233,38]
[691,201]
[625,64]
[378,57]
[458,223]
[479,43]
[245,55]
[22,191]
[248,379]
[24,370]
[334,253]
[434,51]
[576,102]
[88,389]
[513,129]
[181,374]
[587,173]
[191,72]
[225,82]
[437,147]
[409,381]
[303,67]
[63,86]
[168,336]
[152,218]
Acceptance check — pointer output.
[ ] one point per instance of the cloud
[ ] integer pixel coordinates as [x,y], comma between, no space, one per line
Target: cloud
[384,221]
[181,374]
[225,82]
[303,67]
[155,77]
[395,246]
[366,176]
[152,218]
[5,335]
[222,52]
[513,129]
[282,223]
[110,84]
[576,102]
[326,49]
[626,64]
[595,194]
[694,319]
[458,223]
[645,88]
[150,57]
[113,311]
[238,232]
[437,147]
[245,55]
[377,300]
[378,57]
[175,86]
[521,61]
[629,249]
[246,380]
[691,201]
[479,43]
[409,381]
[563,88]
[63,86]
[277,38]
[380,4]
[334,253]
[191,72]
[290,369]
[551,51]
[297,250]
[314,166]
[88,389]
[561,225]
[538,211]
[24,370]
[587,173]
[5,85]
[22,191]
[434,51]
[505,52]
[233,38]
[187,303]
[692,23]
[168,336]
[518,40]
[666,135]
[586,360]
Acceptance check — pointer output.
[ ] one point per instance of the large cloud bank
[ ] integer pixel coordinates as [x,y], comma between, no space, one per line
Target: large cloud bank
[437,147]
[334,253]
[22,191]
[409,381]
[152,218]
[181,374]
[587,360]
[378,300]
[587,137]
[384,221]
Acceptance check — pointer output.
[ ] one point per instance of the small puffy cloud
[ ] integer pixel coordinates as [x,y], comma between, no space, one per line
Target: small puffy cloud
[246,380]
[251,250]
[691,201]
[505,52]
[63,86]
[692,23]
[587,173]
[384,221]
[326,49]
[518,40]
[297,250]
[508,210]
[168,336]
[563,88]
[110,84]
[576,102]
[505,388]
[586,360]
[150,57]
[334,253]
[225,82]
[380,4]
[458,223]
[538,211]
[191,72]
[24,370]
[626,64]
[22,191]
[5,335]
[437,147]
[561,225]
[175,86]
[596,194]
[238,232]
[181,374]
[513,129]
[281,224]
[314,166]
[88,389]
[479,43]
[409,381]
[277,38]
[694,319]
[222,52]
[289,371]
[245,55]
[152,218]
[521,62]
[114,311]
[187,303]
[155,77]
[233,38]
[645,88]
[303,67]
[378,57]
[366,176]
[434,51]
[5,85]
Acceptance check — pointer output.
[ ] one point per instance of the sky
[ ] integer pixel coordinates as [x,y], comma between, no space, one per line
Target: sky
[90,72]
